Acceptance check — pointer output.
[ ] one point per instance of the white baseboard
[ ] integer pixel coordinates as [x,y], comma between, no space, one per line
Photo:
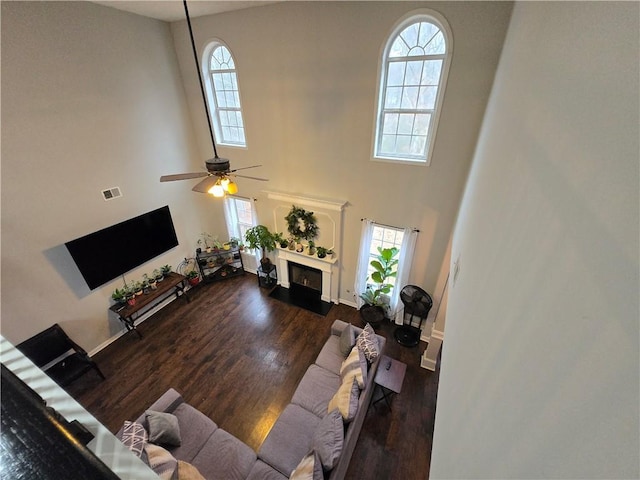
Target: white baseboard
[137,322]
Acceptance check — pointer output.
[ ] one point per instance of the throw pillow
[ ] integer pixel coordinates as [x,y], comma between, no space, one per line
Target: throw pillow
[347,339]
[161,461]
[163,428]
[134,436]
[186,471]
[368,343]
[346,400]
[328,439]
[355,365]
[309,468]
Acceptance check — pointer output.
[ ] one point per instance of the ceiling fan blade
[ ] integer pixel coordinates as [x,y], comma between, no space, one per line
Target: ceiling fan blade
[204,185]
[183,176]
[252,178]
[244,168]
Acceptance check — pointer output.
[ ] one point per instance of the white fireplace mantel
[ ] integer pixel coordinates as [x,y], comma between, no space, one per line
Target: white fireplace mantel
[325,265]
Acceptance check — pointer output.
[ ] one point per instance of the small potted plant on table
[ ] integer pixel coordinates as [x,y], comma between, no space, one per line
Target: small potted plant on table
[193,277]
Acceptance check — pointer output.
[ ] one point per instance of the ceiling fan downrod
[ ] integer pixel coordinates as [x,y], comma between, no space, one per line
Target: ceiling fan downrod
[204,97]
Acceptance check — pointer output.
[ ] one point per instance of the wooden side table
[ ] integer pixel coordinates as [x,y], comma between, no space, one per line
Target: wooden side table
[389,378]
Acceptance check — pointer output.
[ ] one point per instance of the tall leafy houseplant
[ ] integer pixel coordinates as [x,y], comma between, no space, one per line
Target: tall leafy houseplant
[260,237]
[375,297]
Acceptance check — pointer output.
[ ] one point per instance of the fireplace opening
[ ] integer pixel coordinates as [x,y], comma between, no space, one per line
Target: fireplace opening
[305,283]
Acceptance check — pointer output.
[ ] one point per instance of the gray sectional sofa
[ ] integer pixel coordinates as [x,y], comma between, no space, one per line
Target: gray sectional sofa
[219,455]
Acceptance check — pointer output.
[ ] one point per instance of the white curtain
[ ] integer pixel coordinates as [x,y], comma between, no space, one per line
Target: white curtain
[231,217]
[404,269]
[363,260]
[233,227]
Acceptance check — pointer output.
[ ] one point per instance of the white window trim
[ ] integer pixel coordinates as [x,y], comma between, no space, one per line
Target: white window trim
[437,19]
[213,106]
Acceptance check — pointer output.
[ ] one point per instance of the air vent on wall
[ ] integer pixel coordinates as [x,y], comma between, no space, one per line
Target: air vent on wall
[111,193]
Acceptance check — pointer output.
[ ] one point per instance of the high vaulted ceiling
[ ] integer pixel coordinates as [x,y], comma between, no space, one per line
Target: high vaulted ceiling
[173,10]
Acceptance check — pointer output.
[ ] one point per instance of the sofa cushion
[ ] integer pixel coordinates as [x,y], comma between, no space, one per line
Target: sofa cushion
[368,343]
[347,339]
[329,438]
[264,471]
[197,429]
[330,357]
[309,468]
[224,456]
[355,366]
[163,428]
[346,400]
[315,390]
[290,439]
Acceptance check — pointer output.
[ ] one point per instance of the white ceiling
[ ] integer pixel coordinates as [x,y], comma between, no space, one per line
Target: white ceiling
[172,10]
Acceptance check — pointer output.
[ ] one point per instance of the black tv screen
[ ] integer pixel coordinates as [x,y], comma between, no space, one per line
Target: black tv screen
[108,253]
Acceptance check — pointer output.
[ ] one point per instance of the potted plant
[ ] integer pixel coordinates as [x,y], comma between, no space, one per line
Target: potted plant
[119,295]
[193,277]
[322,252]
[280,240]
[205,241]
[234,242]
[260,237]
[157,274]
[166,270]
[149,282]
[137,288]
[312,248]
[376,301]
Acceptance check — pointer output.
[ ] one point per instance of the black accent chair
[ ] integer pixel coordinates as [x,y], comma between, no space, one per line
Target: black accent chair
[417,303]
[52,344]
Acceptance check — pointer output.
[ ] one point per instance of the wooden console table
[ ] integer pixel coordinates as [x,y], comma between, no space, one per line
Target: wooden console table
[173,284]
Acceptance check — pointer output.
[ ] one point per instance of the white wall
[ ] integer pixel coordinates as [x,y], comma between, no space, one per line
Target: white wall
[91,99]
[539,374]
[308,73]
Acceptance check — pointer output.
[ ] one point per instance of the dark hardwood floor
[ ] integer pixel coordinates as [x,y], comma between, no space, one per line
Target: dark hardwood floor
[237,355]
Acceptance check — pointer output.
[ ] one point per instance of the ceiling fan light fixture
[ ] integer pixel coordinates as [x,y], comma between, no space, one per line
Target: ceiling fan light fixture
[225,184]
[217,190]
[232,188]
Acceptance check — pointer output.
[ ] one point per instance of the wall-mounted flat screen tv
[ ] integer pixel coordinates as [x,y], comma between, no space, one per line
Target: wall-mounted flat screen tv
[113,251]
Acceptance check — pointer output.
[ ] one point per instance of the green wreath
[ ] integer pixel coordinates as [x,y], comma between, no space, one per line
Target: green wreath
[301,224]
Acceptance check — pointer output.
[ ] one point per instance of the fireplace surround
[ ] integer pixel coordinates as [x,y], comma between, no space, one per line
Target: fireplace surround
[322,265]
[305,282]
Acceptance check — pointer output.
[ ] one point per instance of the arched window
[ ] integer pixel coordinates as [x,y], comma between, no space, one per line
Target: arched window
[224,95]
[413,73]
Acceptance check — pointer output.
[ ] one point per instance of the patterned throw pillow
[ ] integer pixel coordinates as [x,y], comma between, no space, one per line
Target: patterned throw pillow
[355,365]
[368,343]
[186,471]
[161,461]
[346,400]
[134,436]
[309,468]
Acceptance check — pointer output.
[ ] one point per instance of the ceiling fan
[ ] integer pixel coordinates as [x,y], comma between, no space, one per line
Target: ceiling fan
[217,179]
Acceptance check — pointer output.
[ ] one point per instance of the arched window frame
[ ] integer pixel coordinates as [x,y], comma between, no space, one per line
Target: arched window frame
[417,16]
[222,134]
